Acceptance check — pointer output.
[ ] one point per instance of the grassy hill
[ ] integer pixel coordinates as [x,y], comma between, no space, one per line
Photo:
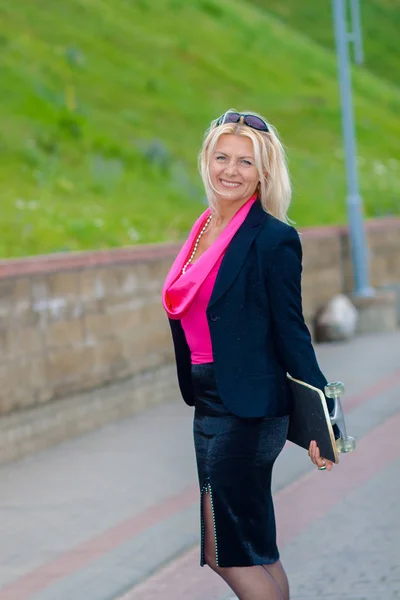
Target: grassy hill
[380,27]
[103,106]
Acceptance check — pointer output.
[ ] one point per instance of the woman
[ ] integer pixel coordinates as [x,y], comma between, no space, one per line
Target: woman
[233,298]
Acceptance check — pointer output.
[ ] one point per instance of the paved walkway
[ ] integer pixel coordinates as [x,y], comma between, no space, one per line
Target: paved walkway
[114,514]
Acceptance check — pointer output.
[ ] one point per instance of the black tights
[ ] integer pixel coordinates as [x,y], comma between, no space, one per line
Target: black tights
[261,582]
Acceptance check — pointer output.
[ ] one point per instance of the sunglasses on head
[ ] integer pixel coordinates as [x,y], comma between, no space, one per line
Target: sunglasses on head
[250,120]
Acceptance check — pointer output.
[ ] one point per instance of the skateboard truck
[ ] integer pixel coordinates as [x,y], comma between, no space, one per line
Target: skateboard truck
[345,443]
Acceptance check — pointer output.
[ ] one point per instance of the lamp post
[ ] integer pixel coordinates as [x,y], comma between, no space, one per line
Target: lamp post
[359,250]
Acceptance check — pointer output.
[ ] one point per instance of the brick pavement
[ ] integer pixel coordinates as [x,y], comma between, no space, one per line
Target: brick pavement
[335,537]
[354,552]
[92,517]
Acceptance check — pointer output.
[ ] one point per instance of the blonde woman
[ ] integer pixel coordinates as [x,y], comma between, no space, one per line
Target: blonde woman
[233,298]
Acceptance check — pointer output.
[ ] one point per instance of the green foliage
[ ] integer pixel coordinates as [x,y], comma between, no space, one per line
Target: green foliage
[380,21]
[103,107]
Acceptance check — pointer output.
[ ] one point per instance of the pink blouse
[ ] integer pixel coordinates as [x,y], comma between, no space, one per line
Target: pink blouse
[186,296]
[195,323]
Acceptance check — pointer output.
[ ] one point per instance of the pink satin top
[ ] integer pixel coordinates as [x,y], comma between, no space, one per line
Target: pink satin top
[195,323]
[186,296]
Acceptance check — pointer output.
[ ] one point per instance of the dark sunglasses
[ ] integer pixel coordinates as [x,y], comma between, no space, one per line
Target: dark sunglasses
[250,120]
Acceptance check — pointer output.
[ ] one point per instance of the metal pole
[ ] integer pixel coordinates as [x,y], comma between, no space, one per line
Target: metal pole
[356,35]
[354,201]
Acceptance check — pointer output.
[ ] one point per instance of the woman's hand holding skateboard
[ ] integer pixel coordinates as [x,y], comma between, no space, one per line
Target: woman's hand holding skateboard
[321,463]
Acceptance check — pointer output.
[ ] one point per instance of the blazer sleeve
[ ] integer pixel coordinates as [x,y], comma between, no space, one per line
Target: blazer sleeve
[291,334]
[183,361]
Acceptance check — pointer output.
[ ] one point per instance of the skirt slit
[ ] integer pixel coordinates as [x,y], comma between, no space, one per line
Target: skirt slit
[207,490]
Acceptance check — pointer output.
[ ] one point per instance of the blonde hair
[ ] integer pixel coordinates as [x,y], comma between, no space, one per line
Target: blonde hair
[274,189]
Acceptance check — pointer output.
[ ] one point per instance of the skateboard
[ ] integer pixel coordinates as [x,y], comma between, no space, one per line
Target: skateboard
[310,419]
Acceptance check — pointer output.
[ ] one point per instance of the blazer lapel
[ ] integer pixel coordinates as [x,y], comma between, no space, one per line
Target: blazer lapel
[237,251]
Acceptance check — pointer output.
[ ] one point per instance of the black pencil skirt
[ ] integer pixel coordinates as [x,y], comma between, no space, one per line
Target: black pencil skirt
[235,457]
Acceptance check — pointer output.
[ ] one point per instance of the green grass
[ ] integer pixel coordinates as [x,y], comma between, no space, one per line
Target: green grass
[380,21]
[104,103]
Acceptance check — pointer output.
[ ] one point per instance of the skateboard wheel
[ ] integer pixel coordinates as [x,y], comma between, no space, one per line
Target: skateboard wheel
[346,445]
[334,389]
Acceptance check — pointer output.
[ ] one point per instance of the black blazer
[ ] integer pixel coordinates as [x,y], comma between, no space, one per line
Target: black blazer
[256,322]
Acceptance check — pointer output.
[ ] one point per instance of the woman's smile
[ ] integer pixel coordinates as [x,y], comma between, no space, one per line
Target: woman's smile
[227,183]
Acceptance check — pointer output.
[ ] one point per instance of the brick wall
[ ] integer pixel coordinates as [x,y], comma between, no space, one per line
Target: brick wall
[76,322]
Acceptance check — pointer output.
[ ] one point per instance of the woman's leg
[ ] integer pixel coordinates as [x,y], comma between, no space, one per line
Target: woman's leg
[277,571]
[248,583]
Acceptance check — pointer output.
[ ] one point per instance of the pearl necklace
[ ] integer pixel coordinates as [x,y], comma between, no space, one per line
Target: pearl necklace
[206,224]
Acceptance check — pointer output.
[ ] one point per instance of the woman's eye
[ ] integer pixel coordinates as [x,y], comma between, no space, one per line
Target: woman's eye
[247,163]
[221,158]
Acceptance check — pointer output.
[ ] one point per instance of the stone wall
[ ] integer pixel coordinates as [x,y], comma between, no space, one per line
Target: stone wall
[76,322]
[327,265]
[70,323]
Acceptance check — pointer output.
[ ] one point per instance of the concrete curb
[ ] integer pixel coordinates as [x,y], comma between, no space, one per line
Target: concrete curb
[34,429]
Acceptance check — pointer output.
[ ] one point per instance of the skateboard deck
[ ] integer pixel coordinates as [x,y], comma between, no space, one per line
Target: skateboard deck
[309,419]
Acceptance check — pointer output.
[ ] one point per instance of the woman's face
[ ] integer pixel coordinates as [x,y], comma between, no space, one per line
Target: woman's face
[233,171]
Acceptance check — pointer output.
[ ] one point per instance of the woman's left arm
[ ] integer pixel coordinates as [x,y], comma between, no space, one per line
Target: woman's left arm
[291,333]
